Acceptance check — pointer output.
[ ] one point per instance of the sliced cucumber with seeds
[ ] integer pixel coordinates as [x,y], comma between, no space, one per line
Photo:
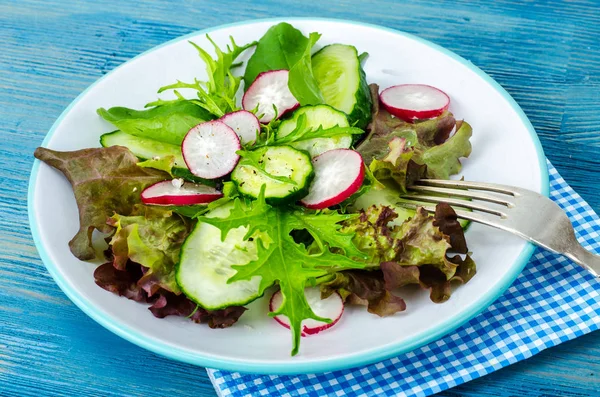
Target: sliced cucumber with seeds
[285,172]
[320,116]
[206,265]
[343,83]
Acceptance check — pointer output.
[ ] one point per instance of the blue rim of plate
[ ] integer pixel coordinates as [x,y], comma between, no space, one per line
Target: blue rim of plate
[375,355]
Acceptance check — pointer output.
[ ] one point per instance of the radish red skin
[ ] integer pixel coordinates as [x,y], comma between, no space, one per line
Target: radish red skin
[177,199]
[412,115]
[306,331]
[182,200]
[346,193]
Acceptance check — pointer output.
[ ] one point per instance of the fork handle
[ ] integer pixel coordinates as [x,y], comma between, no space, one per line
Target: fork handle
[584,258]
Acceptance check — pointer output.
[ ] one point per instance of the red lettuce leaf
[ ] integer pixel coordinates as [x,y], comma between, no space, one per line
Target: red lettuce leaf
[365,288]
[429,277]
[105,181]
[447,221]
[164,303]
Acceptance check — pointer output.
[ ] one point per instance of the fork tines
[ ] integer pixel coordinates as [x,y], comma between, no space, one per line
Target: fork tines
[456,194]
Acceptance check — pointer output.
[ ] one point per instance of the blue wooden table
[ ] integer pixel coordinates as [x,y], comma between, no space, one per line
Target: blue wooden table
[546,54]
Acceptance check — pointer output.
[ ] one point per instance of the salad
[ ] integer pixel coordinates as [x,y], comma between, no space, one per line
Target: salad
[291,190]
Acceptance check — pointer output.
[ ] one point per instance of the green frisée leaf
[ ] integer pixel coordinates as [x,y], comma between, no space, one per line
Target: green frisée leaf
[281,260]
[105,181]
[218,94]
[302,82]
[325,227]
[152,237]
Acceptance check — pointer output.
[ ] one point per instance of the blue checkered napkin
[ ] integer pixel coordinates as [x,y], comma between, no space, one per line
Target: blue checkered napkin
[551,302]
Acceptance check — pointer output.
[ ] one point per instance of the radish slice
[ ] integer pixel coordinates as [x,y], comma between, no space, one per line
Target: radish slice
[339,173]
[177,192]
[209,149]
[331,307]
[268,90]
[244,123]
[411,102]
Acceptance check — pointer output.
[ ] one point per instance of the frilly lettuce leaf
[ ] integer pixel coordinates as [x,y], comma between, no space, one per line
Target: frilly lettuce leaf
[404,152]
[105,181]
[416,242]
[429,277]
[395,164]
[152,237]
[415,252]
[373,236]
[444,160]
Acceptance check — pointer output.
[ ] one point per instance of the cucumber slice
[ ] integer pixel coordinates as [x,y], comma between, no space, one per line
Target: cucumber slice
[146,148]
[285,171]
[343,83]
[143,148]
[389,196]
[206,265]
[317,116]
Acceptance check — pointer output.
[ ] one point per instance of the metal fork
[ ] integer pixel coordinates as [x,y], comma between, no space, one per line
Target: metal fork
[522,212]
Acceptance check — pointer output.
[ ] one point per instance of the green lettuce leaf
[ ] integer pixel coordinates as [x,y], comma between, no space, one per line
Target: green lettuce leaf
[395,165]
[218,94]
[281,260]
[302,82]
[105,181]
[285,47]
[168,123]
[444,160]
[280,48]
[152,237]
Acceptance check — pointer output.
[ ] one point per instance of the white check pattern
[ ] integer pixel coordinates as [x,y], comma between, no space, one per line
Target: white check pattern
[552,301]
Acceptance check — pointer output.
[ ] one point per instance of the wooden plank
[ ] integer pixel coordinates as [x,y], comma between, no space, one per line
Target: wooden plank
[545,53]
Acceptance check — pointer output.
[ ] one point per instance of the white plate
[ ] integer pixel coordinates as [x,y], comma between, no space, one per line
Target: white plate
[505,150]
